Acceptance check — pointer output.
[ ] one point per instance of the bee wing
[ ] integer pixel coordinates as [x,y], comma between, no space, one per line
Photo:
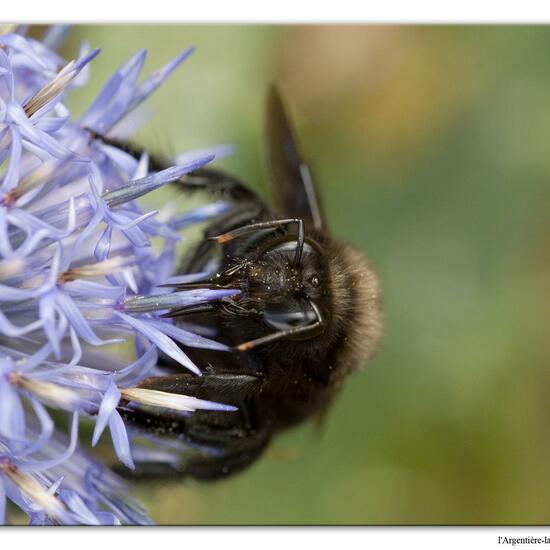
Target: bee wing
[293,189]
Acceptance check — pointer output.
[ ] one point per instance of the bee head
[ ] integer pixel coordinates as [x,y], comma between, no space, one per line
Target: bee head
[289,293]
[329,299]
[283,285]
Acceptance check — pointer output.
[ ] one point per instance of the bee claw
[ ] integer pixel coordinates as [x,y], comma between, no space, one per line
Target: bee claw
[245,346]
[220,239]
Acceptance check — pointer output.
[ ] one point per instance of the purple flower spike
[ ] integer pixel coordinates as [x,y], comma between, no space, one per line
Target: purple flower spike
[144,304]
[158,77]
[78,271]
[138,188]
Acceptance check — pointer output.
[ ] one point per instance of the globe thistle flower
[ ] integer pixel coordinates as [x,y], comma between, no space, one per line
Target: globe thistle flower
[78,272]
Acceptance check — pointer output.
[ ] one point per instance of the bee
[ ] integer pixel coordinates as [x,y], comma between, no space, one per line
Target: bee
[308,314]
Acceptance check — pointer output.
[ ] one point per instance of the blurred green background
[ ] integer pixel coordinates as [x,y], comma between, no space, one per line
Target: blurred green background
[431,145]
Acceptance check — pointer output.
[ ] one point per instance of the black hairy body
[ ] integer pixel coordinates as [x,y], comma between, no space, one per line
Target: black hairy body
[307,315]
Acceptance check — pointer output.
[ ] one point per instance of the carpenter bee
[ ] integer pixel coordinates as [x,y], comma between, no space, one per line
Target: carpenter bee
[308,314]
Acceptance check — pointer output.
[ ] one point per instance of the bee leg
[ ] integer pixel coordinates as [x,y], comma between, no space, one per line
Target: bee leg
[221,184]
[219,449]
[240,449]
[148,471]
[211,386]
[243,215]
[227,388]
[212,441]
[262,226]
[197,259]
[222,442]
[208,180]
[237,456]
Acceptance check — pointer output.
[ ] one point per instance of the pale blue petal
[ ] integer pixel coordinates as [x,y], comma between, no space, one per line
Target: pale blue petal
[139,369]
[160,340]
[75,504]
[120,440]
[9,329]
[103,246]
[108,405]
[24,46]
[40,465]
[121,158]
[187,338]
[77,320]
[151,83]
[11,179]
[219,151]
[85,59]
[52,124]
[98,111]
[46,427]
[91,289]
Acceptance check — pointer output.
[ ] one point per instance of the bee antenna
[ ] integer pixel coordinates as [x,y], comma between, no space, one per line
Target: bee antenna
[313,327]
[299,245]
[261,226]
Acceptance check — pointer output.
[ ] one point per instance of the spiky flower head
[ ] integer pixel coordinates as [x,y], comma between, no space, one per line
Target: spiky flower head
[78,272]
